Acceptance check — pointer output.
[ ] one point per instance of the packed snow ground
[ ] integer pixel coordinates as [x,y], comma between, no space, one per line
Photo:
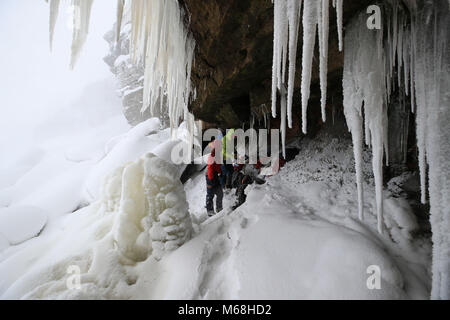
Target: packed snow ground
[297,236]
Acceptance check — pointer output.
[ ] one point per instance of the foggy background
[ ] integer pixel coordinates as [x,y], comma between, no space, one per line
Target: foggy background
[40,97]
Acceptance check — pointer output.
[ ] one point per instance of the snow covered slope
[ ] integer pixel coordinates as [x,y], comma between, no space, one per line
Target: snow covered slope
[297,236]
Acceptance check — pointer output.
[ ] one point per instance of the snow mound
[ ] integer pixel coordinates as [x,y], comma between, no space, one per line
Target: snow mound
[20,223]
[307,256]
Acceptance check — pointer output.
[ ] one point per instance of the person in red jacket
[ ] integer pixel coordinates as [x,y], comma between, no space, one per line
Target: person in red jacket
[213,186]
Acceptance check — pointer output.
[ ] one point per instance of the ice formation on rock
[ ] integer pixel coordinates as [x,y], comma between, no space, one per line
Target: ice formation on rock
[149,203]
[161,41]
[404,54]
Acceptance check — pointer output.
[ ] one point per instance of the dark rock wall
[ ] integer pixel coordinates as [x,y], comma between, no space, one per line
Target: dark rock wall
[233,61]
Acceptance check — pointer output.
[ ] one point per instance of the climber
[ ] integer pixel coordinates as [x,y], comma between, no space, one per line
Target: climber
[213,186]
[227,166]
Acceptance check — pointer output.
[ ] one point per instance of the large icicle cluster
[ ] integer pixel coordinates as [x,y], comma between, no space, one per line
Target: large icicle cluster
[430,33]
[410,52]
[160,39]
[315,18]
[365,93]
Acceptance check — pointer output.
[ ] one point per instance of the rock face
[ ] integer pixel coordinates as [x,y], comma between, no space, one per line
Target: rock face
[233,61]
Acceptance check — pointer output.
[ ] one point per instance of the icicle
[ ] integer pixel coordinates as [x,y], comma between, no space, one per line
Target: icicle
[406,61]
[385,126]
[315,13]
[137,34]
[309,39]
[82,13]
[323,7]
[284,32]
[54,9]
[352,111]
[120,5]
[365,82]
[168,55]
[294,9]
[278,15]
[421,120]
[339,13]
[412,63]
[432,80]
[283,119]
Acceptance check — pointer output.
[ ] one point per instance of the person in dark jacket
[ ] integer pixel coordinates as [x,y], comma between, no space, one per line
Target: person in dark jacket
[243,176]
[213,186]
